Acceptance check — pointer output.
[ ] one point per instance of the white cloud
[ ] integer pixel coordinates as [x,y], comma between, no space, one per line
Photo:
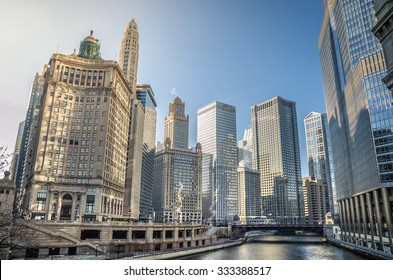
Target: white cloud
[173,91]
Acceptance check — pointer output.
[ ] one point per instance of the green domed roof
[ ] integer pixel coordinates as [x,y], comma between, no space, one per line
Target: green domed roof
[90,47]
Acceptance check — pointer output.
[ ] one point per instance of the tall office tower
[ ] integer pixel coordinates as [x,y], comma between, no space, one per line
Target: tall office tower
[128,61]
[359,111]
[316,200]
[134,159]
[319,154]
[244,149]
[176,124]
[217,135]
[249,193]
[177,185]
[383,29]
[178,173]
[159,146]
[145,95]
[129,53]
[80,151]
[35,96]
[276,155]
[15,155]
[28,169]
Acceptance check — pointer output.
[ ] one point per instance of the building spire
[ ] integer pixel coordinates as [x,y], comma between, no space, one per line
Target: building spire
[176,124]
[129,53]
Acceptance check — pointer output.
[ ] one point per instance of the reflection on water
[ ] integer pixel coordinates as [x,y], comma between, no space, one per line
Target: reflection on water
[279,248]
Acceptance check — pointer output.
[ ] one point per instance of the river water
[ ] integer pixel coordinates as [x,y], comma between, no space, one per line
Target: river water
[279,248]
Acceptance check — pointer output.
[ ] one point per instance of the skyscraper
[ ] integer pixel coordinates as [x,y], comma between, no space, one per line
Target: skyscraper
[178,173]
[177,185]
[79,155]
[319,154]
[360,113]
[383,29]
[276,156]
[35,96]
[15,155]
[217,135]
[129,53]
[176,124]
[145,95]
[244,149]
[249,193]
[128,61]
[316,200]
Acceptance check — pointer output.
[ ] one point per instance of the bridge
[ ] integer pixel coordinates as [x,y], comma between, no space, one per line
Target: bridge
[281,228]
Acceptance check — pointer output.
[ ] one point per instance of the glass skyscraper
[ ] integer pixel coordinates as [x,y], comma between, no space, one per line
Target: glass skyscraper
[35,96]
[360,115]
[276,155]
[217,135]
[15,155]
[145,95]
[319,153]
[383,30]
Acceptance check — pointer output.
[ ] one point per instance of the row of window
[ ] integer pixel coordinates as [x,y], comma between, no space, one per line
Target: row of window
[82,78]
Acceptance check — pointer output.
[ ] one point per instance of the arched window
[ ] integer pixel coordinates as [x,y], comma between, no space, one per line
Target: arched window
[67,197]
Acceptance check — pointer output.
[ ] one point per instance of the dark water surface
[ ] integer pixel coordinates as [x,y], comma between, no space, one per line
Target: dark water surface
[279,248]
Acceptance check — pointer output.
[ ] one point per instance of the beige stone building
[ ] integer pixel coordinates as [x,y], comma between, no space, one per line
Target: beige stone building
[176,124]
[316,200]
[80,152]
[107,240]
[129,52]
[7,193]
[177,194]
[249,193]
[128,61]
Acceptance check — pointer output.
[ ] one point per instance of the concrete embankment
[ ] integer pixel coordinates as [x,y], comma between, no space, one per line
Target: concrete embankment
[188,252]
[360,250]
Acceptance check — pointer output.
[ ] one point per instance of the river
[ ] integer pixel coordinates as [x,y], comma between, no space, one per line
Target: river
[279,248]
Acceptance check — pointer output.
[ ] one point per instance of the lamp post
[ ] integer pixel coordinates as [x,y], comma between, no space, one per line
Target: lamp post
[96,249]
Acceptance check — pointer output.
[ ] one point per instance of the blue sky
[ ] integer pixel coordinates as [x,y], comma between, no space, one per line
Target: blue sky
[237,52]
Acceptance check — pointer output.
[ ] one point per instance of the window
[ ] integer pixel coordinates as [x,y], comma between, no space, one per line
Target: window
[41,201]
[119,234]
[90,203]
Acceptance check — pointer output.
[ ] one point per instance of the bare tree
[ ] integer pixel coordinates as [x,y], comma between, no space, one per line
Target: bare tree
[15,233]
[5,158]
